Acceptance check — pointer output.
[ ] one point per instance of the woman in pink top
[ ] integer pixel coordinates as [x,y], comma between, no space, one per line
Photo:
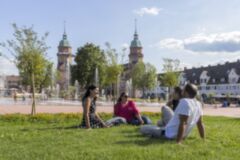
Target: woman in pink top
[128,110]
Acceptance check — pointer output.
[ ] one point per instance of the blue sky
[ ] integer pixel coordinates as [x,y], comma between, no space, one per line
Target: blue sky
[198,32]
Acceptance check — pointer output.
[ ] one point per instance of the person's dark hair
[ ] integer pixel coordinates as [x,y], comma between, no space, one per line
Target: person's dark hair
[178,91]
[87,93]
[120,97]
[191,90]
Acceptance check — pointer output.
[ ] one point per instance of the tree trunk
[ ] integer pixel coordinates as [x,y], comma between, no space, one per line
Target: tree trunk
[134,92]
[114,93]
[168,93]
[33,96]
[40,89]
[143,89]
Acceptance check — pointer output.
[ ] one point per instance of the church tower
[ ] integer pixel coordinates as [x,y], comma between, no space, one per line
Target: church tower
[135,56]
[135,49]
[64,61]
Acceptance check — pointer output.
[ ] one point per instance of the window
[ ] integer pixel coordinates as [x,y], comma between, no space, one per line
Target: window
[203,80]
[233,80]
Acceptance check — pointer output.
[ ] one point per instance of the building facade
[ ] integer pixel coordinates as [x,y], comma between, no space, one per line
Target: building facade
[2,82]
[216,80]
[9,83]
[13,82]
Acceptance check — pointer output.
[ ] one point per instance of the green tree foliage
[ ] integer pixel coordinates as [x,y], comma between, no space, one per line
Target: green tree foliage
[171,72]
[29,53]
[150,76]
[137,75]
[144,76]
[169,79]
[113,68]
[88,58]
[47,76]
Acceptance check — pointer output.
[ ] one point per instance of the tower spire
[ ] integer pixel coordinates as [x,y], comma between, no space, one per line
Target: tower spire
[64,30]
[64,25]
[135,42]
[64,42]
[135,23]
[135,47]
[135,33]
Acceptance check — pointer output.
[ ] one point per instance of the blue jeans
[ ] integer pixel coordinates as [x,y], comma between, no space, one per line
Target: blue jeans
[145,119]
[116,121]
[153,131]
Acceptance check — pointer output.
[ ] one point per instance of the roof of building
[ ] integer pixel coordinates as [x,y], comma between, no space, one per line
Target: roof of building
[136,42]
[13,78]
[64,42]
[216,72]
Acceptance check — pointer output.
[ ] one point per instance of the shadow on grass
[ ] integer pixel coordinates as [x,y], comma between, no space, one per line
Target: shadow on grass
[53,128]
[144,142]
[58,128]
[141,140]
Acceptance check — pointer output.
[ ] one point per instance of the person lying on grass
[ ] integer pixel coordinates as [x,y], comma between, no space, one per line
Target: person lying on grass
[127,110]
[187,114]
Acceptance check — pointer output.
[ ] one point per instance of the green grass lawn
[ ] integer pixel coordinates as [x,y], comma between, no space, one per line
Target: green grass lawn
[55,137]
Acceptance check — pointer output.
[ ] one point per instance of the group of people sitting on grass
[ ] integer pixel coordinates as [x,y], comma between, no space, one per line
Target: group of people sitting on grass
[179,116]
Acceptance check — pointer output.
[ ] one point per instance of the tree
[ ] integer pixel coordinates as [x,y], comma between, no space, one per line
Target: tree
[88,58]
[170,77]
[46,79]
[137,75]
[171,72]
[113,68]
[170,65]
[150,76]
[144,76]
[29,52]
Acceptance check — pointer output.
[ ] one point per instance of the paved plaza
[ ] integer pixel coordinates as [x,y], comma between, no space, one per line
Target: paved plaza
[108,108]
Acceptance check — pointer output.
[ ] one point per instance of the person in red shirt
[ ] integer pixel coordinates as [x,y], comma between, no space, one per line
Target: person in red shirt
[127,109]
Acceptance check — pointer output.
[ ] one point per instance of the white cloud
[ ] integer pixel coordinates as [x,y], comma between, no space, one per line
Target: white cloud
[154,11]
[169,43]
[7,68]
[125,45]
[203,43]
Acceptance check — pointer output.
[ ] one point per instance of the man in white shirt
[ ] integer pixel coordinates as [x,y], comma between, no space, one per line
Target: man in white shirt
[187,114]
